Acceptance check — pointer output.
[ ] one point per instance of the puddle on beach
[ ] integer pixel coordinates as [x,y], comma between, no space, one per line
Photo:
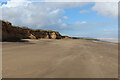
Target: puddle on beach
[96,41]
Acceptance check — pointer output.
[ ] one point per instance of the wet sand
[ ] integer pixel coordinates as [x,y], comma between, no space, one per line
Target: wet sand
[67,58]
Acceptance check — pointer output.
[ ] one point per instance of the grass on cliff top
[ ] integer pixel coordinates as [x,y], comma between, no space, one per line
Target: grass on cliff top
[35,29]
[43,30]
[16,26]
[7,22]
[20,27]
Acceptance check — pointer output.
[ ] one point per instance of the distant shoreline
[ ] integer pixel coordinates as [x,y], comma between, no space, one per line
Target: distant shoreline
[114,40]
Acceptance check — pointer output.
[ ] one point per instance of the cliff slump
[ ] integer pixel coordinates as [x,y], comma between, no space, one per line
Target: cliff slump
[13,33]
[45,34]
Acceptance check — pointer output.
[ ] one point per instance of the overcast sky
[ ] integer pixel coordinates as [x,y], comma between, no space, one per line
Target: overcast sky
[82,19]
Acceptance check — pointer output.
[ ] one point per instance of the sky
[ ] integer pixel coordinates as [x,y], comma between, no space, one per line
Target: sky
[78,19]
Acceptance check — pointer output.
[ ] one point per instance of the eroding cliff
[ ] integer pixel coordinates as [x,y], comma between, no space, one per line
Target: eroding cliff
[13,33]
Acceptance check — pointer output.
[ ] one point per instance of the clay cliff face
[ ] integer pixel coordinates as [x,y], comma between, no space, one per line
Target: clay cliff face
[45,34]
[11,33]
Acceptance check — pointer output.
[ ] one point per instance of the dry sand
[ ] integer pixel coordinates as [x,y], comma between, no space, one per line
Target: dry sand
[60,59]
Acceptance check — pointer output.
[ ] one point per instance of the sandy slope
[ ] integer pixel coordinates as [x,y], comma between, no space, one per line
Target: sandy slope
[60,59]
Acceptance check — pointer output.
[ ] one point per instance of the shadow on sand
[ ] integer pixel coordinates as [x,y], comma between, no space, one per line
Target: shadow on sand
[15,41]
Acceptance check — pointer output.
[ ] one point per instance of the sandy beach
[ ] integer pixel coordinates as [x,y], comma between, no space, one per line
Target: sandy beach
[67,58]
